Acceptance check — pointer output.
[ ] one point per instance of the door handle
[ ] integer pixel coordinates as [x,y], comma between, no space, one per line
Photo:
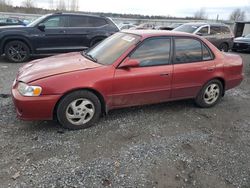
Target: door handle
[164,74]
[62,31]
[210,69]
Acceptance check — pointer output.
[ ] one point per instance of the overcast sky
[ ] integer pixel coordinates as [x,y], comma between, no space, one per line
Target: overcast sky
[180,8]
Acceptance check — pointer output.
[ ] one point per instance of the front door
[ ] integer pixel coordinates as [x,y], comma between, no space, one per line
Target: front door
[151,81]
[215,36]
[54,38]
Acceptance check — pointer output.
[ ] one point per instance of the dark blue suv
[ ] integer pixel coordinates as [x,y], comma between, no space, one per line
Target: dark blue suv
[54,33]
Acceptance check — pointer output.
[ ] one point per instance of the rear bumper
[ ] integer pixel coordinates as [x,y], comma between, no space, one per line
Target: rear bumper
[234,82]
[34,108]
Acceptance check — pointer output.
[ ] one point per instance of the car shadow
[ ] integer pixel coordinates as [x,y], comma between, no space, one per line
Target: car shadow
[114,115]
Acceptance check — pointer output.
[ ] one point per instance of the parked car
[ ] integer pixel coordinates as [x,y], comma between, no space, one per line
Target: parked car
[128,69]
[54,33]
[144,26]
[218,34]
[242,43]
[12,21]
[169,27]
[127,26]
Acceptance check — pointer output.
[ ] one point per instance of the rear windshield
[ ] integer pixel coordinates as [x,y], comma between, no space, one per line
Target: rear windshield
[108,51]
[187,28]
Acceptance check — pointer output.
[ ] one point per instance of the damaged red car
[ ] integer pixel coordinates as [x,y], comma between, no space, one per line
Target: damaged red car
[127,69]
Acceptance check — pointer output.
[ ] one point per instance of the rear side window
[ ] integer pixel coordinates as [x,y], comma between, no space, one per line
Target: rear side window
[187,50]
[215,30]
[153,52]
[97,22]
[78,21]
[206,53]
[86,21]
[225,30]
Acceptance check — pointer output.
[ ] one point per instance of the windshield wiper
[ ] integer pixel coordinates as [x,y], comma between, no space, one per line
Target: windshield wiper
[90,57]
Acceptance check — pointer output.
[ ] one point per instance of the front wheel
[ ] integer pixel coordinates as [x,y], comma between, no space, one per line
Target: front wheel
[210,94]
[79,110]
[17,51]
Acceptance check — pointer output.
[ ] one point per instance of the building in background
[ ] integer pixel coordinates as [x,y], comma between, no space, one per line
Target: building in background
[241,28]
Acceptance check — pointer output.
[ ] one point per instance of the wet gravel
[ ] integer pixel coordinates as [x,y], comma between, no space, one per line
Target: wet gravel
[173,144]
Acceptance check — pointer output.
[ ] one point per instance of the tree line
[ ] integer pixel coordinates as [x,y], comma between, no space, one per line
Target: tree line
[29,6]
[236,15]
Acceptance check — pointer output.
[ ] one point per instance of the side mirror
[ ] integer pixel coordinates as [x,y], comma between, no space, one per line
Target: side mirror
[129,63]
[200,34]
[41,27]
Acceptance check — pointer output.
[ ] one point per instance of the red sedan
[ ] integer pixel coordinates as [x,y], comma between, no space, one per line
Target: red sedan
[127,69]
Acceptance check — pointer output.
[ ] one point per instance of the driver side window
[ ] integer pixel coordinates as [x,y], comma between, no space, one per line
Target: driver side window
[153,52]
[203,31]
[56,21]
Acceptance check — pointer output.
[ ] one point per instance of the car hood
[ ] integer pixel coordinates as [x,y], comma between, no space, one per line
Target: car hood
[242,39]
[12,27]
[54,65]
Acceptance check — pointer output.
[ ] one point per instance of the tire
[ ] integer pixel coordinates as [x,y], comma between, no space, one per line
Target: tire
[224,47]
[79,110]
[17,51]
[203,99]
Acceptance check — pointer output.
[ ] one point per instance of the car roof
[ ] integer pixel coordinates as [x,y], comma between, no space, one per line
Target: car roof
[154,33]
[77,14]
[198,24]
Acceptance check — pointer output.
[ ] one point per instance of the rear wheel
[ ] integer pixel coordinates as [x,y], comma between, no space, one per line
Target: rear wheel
[17,51]
[79,110]
[224,47]
[210,94]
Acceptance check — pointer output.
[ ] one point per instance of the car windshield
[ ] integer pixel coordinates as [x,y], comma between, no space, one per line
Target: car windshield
[108,51]
[247,36]
[37,21]
[187,28]
[175,25]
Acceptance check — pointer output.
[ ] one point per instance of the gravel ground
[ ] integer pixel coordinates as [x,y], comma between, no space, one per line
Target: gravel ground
[173,144]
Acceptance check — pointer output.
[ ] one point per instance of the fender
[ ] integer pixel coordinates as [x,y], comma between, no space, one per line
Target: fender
[16,37]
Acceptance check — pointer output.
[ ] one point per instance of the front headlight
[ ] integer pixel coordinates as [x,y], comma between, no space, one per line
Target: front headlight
[29,91]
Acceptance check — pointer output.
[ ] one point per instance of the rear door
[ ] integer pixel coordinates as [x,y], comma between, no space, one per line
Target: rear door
[151,81]
[193,67]
[83,30]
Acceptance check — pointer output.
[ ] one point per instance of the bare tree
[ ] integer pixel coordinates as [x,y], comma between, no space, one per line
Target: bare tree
[238,15]
[51,4]
[28,4]
[3,5]
[200,14]
[61,5]
[74,6]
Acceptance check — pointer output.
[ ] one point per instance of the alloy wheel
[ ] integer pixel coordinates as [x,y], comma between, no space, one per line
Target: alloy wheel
[211,93]
[80,111]
[17,52]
